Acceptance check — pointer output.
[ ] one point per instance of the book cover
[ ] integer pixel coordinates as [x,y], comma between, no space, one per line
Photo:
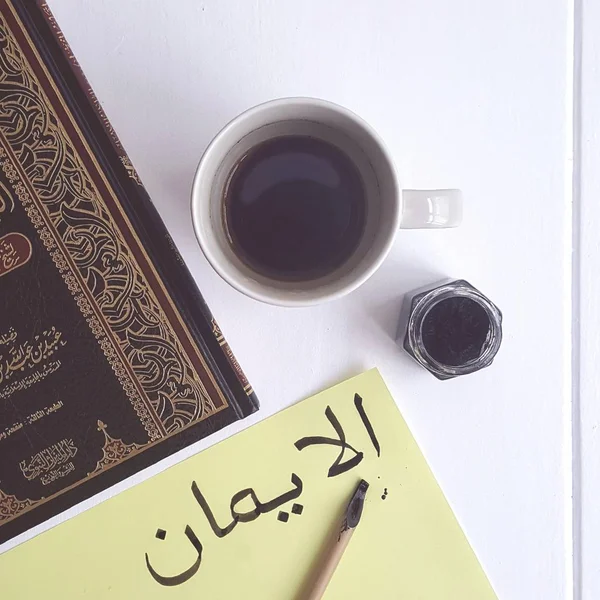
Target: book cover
[109,358]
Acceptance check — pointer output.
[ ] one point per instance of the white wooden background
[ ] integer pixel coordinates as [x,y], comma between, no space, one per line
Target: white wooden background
[476,95]
[586,295]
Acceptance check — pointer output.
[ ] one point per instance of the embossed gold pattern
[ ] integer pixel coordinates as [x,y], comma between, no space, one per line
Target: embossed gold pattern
[15,251]
[11,506]
[114,450]
[89,250]
[131,172]
[81,298]
[230,356]
[48,178]
[7,204]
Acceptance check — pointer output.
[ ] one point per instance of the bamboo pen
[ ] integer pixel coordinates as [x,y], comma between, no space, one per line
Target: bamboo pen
[335,552]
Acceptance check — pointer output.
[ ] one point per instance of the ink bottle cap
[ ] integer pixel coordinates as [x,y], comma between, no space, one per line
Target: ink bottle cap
[450,328]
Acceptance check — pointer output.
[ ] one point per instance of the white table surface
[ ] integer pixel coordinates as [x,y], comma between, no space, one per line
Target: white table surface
[586,291]
[466,94]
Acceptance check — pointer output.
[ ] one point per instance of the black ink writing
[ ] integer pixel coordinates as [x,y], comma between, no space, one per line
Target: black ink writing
[188,573]
[220,532]
[358,403]
[260,508]
[238,516]
[338,467]
[245,506]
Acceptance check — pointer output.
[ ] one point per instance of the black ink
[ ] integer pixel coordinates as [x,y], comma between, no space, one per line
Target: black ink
[287,497]
[246,517]
[337,468]
[358,402]
[186,575]
[161,534]
[385,493]
[297,509]
[283,516]
[260,508]
[355,508]
[455,330]
[218,531]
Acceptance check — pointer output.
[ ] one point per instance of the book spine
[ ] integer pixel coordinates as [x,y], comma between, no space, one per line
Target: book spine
[157,226]
[85,85]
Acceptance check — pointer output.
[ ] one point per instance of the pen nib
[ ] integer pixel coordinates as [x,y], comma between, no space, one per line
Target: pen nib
[355,507]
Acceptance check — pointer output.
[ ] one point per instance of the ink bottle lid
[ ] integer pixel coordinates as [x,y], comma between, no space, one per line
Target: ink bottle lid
[450,329]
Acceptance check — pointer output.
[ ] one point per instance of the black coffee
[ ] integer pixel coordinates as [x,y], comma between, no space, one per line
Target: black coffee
[295,208]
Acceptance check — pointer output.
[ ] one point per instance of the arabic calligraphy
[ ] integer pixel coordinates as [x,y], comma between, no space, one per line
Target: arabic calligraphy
[29,354]
[188,573]
[283,516]
[48,459]
[360,409]
[38,414]
[57,473]
[22,358]
[29,380]
[10,430]
[7,204]
[52,409]
[8,255]
[254,507]
[44,412]
[15,251]
[337,468]
[8,337]
[237,515]
[131,172]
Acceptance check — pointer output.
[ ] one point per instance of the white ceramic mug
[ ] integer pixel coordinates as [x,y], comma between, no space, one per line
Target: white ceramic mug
[388,207]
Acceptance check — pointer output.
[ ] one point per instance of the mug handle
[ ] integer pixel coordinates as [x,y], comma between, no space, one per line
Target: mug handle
[431,209]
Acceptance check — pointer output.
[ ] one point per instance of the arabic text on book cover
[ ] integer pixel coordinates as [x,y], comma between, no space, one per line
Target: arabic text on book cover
[109,357]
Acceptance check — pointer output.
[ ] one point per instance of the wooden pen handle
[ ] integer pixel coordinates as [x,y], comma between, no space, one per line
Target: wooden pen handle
[329,565]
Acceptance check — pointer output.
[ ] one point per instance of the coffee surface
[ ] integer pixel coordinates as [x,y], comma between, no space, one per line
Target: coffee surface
[295,208]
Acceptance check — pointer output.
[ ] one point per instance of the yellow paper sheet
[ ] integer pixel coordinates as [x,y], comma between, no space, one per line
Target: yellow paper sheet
[407,546]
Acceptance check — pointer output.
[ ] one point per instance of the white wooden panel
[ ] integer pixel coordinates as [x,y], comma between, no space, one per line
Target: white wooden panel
[466,94]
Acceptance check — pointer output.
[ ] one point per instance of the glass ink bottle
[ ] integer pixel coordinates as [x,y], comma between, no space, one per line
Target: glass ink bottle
[450,329]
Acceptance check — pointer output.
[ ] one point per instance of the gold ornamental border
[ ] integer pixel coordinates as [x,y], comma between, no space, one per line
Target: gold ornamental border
[9,502]
[25,190]
[42,96]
